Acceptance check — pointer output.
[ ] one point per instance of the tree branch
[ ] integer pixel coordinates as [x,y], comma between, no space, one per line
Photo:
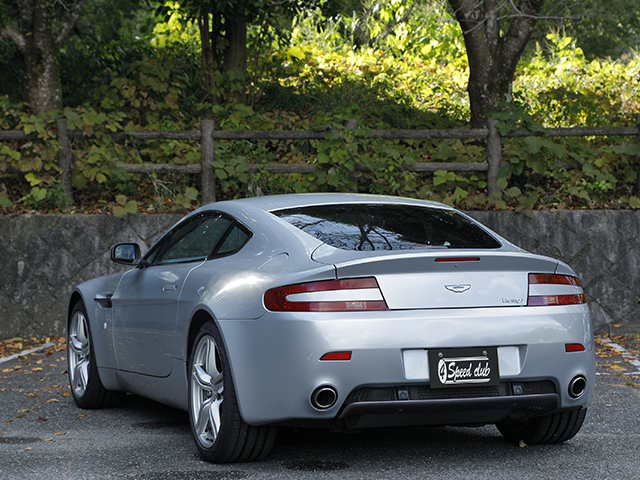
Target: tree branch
[15,36]
[404,18]
[524,15]
[24,12]
[467,13]
[520,30]
[506,17]
[70,19]
[472,17]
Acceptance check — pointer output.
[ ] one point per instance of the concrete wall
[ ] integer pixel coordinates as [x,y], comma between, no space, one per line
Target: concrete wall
[602,246]
[43,256]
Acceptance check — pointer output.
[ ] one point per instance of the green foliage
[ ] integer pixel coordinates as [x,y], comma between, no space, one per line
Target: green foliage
[562,88]
[607,28]
[124,207]
[412,76]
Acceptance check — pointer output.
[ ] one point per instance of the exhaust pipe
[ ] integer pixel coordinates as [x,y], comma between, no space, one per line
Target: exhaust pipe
[577,386]
[324,397]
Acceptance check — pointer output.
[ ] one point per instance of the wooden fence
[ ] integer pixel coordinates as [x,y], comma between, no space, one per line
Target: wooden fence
[208,135]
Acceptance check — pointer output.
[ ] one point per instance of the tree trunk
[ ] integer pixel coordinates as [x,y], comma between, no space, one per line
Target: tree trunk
[235,57]
[41,75]
[209,63]
[493,49]
[39,47]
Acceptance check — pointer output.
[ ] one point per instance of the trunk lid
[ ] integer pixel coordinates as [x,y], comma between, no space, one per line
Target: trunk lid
[444,278]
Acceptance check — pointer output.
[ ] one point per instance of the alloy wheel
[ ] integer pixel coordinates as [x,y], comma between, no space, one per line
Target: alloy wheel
[207,391]
[79,353]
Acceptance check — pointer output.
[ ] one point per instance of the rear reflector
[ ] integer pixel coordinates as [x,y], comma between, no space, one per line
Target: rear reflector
[348,295]
[556,300]
[336,356]
[549,289]
[573,347]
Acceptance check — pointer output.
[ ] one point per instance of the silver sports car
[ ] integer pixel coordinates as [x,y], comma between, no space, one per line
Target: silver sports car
[338,311]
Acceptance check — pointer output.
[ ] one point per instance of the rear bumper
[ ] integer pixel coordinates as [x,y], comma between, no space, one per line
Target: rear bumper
[276,364]
[467,411]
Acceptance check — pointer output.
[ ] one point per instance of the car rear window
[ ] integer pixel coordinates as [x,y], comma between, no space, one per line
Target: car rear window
[387,227]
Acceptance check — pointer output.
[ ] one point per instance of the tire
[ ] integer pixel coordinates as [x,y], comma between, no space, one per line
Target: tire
[220,434]
[86,387]
[554,428]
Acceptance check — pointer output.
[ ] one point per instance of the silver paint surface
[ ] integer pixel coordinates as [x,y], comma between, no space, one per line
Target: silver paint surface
[141,342]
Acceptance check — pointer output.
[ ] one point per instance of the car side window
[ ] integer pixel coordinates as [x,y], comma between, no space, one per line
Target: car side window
[195,240]
[235,240]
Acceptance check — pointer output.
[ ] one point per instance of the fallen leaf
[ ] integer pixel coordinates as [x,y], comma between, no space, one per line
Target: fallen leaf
[32,395]
[43,419]
[47,439]
[53,400]
[59,433]
[66,394]
[37,369]
[521,444]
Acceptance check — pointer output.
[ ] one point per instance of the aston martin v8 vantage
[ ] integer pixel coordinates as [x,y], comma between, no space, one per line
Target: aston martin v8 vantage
[338,311]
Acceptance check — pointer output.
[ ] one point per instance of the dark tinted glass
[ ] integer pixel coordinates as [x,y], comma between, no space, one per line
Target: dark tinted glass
[234,241]
[194,240]
[387,227]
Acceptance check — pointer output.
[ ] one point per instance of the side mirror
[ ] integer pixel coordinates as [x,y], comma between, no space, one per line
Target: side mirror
[126,253]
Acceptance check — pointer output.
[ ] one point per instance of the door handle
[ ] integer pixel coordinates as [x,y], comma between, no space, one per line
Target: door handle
[169,288]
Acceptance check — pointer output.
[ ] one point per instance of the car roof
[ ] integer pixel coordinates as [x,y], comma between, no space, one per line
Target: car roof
[256,213]
[276,202]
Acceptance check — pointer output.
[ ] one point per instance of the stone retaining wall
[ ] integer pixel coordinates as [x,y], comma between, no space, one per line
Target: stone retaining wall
[602,246]
[43,256]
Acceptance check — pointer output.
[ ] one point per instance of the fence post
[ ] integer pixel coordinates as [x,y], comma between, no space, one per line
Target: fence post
[638,142]
[494,156]
[207,151]
[65,159]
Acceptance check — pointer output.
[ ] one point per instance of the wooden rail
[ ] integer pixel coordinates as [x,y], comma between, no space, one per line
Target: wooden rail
[207,136]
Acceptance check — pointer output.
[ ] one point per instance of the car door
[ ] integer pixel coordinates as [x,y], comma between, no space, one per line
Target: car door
[145,303]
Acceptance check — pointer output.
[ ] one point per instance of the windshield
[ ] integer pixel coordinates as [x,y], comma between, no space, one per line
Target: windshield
[367,227]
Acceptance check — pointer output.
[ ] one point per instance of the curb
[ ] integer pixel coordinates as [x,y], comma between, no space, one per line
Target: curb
[628,330]
[24,353]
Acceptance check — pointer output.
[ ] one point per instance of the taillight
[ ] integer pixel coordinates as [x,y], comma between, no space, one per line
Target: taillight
[550,289]
[348,295]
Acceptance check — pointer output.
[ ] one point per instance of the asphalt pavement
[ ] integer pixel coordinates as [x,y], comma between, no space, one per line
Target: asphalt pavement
[44,435]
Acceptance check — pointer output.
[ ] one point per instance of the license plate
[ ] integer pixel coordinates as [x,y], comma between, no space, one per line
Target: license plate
[463,367]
